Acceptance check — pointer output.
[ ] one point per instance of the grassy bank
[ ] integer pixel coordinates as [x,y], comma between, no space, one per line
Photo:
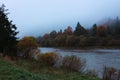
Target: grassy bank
[32,70]
[10,71]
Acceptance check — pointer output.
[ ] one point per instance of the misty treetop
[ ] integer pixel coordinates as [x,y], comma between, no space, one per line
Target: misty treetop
[105,34]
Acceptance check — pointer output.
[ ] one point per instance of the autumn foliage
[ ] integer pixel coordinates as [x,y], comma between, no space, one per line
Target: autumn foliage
[102,31]
[50,58]
[102,35]
[26,44]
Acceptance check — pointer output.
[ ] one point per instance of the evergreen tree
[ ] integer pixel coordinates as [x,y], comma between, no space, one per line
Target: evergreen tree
[94,30]
[53,34]
[8,34]
[79,30]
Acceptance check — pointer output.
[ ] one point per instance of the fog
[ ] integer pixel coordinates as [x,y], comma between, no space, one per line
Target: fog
[36,17]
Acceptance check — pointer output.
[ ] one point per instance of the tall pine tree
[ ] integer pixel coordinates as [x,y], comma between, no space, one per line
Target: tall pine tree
[79,30]
[8,39]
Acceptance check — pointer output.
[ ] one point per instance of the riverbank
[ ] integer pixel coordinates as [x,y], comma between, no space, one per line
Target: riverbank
[87,48]
[24,69]
[95,58]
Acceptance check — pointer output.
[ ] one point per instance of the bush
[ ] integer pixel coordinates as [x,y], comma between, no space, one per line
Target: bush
[73,63]
[27,45]
[50,59]
[40,58]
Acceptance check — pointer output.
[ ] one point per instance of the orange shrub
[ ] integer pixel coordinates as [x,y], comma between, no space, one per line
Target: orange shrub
[26,44]
[50,58]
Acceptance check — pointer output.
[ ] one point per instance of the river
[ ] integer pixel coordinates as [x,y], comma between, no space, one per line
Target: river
[95,58]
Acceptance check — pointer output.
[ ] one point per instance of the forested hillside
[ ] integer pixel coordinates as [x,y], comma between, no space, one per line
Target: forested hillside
[105,34]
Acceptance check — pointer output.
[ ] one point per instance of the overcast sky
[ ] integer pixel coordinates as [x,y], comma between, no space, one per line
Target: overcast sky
[36,17]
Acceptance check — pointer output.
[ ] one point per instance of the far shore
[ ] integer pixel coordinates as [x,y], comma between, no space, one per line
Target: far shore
[86,48]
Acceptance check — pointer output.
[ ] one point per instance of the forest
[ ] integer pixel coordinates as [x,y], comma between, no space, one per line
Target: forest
[103,35]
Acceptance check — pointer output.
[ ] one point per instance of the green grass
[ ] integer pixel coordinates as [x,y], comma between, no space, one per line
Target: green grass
[32,70]
[11,72]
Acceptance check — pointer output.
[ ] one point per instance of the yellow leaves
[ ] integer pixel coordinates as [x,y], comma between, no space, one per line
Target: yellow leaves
[51,54]
[27,42]
[49,59]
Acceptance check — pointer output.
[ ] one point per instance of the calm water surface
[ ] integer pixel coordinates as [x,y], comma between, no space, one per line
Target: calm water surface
[95,59]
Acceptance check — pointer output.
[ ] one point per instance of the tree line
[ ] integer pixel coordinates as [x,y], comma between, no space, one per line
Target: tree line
[107,34]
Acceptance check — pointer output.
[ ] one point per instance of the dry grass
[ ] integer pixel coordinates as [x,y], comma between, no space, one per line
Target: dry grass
[74,63]
[110,73]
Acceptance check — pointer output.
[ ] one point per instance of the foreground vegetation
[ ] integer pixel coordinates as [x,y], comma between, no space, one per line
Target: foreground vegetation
[32,70]
[9,71]
[45,69]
